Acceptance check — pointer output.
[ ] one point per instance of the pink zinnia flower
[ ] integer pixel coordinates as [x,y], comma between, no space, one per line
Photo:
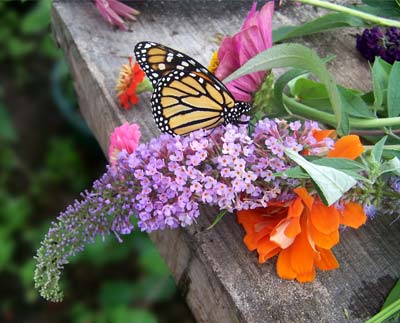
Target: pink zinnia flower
[113,11]
[254,37]
[125,137]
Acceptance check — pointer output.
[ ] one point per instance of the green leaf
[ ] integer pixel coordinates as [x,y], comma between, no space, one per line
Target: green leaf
[104,251]
[154,289]
[7,131]
[353,104]
[26,272]
[217,219]
[330,182]
[392,165]
[378,149]
[115,293]
[123,314]
[382,8]
[340,163]
[390,311]
[282,81]
[393,91]
[15,211]
[18,48]
[151,261]
[390,153]
[297,56]
[350,167]
[7,247]
[308,89]
[37,19]
[393,295]
[294,172]
[380,76]
[326,22]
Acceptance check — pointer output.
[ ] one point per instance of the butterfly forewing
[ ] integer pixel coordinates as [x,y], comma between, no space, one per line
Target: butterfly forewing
[157,60]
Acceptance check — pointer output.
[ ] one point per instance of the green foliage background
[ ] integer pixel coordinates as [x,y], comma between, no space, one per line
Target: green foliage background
[47,156]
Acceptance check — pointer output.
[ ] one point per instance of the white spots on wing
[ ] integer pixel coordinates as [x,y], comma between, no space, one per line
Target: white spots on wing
[184,63]
[161,66]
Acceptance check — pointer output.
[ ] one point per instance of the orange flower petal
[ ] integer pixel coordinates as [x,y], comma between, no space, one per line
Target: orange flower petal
[257,225]
[347,147]
[308,200]
[283,265]
[293,229]
[326,260]
[324,240]
[325,219]
[295,210]
[247,219]
[250,242]
[266,249]
[306,277]
[353,215]
[302,255]
[278,234]
[320,135]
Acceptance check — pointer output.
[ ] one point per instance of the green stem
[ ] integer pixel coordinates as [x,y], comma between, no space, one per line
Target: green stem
[328,118]
[391,147]
[144,86]
[353,12]
[385,313]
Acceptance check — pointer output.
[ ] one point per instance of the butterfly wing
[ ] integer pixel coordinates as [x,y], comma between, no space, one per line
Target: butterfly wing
[186,96]
[157,60]
[185,101]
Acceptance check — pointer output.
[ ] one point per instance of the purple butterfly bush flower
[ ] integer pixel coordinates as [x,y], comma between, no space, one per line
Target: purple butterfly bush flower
[113,11]
[378,42]
[254,37]
[164,182]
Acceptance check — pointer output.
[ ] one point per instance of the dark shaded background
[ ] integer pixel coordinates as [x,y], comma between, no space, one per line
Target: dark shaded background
[47,156]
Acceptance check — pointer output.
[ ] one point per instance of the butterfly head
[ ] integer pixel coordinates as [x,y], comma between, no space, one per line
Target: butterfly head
[240,108]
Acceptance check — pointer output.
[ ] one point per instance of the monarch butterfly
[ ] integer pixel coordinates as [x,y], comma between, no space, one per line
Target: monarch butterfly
[186,96]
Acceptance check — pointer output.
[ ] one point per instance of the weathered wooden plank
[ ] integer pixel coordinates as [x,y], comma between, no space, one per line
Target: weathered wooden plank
[220,279]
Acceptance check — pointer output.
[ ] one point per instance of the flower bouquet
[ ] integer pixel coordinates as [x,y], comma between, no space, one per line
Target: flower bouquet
[294,174]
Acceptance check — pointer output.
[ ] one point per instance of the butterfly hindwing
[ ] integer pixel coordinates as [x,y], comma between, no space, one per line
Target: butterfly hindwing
[185,101]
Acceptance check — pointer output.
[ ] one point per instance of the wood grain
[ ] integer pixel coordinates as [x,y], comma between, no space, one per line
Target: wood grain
[219,278]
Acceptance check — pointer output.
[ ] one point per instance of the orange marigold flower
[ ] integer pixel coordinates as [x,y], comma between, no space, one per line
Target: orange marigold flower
[301,231]
[129,77]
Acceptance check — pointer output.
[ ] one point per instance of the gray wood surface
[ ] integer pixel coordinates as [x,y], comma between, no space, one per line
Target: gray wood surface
[219,278]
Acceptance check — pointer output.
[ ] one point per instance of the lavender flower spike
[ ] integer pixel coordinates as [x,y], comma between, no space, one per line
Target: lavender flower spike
[78,226]
[163,182]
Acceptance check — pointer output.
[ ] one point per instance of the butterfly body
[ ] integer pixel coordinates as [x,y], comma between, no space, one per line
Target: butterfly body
[186,96]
